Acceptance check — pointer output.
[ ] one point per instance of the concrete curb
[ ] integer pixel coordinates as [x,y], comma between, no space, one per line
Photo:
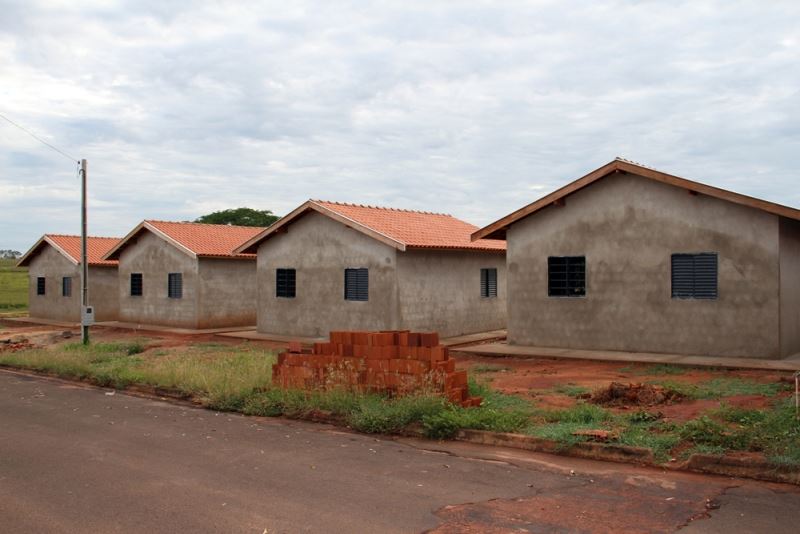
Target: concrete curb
[730,466]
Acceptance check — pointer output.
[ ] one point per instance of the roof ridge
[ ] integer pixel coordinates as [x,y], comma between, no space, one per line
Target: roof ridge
[88,236]
[386,208]
[202,224]
[632,162]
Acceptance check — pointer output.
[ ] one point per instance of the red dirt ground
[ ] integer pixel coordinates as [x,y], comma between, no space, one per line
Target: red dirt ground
[537,379]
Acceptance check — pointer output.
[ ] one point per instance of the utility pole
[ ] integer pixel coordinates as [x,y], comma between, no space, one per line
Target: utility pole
[84,261]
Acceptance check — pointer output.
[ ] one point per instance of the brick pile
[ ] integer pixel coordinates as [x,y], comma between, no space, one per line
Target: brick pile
[393,363]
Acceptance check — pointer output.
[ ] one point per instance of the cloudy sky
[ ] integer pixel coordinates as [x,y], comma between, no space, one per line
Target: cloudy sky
[474,108]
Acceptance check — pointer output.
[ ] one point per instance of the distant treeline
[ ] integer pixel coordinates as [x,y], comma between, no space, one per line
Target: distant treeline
[9,254]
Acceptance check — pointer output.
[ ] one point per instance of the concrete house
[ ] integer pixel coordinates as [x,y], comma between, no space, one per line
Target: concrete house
[628,258]
[330,266]
[54,268]
[186,275]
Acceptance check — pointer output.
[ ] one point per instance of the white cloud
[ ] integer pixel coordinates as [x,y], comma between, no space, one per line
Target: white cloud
[464,107]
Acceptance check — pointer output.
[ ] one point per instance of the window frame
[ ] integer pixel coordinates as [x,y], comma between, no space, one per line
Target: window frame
[175,286]
[487,291]
[140,278]
[285,283]
[66,286]
[41,286]
[694,293]
[361,276]
[567,285]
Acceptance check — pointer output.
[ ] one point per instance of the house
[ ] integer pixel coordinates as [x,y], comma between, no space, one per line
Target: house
[629,258]
[186,275]
[332,266]
[54,268]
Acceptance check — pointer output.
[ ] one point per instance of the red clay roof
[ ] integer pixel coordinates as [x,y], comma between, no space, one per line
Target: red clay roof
[416,229]
[399,228]
[70,245]
[201,240]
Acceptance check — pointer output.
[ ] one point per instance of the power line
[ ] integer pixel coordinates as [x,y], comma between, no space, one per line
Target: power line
[74,160]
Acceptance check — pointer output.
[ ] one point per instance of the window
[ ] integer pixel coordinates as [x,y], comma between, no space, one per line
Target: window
[566,276]
[66,286]
[488,283]
[285,283]
[356,284]
[136,284]
[175,285]
[40,285]
[694,276]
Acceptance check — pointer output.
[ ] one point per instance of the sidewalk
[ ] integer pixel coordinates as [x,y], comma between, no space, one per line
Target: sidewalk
[519,351]
[169,329]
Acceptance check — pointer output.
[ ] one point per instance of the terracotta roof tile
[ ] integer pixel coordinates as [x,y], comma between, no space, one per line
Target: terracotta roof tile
[208,240]
[415,229]
[96,247]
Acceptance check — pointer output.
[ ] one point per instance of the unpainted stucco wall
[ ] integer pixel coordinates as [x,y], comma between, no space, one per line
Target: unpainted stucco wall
[790,286]
[103,292]
[440,291]
[320,249]
[54,266]
[628,227]
[227,293]
[155,259]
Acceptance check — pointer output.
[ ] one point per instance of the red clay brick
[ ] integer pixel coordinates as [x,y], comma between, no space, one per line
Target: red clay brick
[413,339]
[429,339]
[295,346]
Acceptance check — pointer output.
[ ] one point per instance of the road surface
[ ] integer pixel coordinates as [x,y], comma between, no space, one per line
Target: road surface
[80,459]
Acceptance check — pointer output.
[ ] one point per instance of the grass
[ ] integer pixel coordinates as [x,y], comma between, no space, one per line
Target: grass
[13,287]
[655,370]
[718,388]
[489,368]
[571,390]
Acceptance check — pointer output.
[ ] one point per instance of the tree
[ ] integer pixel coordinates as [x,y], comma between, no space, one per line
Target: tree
[240,217]
[10,254]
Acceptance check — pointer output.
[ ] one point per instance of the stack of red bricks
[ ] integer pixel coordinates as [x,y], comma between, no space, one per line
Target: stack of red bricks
[395,363]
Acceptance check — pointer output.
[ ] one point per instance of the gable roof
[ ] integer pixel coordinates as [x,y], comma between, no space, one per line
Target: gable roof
[497,230]
[198,240]
[70,247]
[401,229]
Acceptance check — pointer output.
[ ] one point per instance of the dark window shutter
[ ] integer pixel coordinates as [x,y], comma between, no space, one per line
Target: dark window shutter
[136,284]
[66,286]
[488,282]
[285,283]
[566,276]
[682,276]
[695,276]
[356,284]
[40,285]
[175,285]
[705,276]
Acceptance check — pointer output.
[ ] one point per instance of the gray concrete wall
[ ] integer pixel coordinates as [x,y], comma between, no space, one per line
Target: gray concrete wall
[628,227]
[155,259]
[320,249]
[103,292]
[790,286]
[52,305]
[54,266]
[227,293]
[440,291]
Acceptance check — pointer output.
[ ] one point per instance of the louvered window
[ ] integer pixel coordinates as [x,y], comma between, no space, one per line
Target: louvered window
[566,276]
[136,284]
[285,283]
[488,283]
[40,285]
[66,286]
[175,285]
[694,276]
[356,284]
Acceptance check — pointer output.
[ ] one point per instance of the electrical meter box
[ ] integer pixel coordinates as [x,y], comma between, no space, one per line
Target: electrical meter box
[87,315]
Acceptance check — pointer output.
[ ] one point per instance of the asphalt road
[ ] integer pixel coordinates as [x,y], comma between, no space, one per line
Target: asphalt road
[76,459]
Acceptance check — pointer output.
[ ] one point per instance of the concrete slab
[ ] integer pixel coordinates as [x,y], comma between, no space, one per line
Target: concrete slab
[169,329]
[255,335]
[45,322]
[520,351]
[471,339]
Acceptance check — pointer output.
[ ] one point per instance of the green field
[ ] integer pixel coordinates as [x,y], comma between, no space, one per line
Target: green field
[13,287]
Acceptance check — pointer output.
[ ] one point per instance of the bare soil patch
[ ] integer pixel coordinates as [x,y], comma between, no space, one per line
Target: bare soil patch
[620,394]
